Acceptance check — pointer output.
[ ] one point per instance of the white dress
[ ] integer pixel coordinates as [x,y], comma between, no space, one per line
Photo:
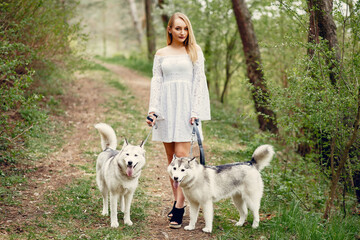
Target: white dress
[178,92]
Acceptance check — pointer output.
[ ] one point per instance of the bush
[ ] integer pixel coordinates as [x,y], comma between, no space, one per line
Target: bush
[34,35]
[316,115]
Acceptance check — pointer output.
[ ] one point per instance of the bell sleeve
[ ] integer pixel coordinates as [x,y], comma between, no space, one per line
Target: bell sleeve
[200,93]
[155,89]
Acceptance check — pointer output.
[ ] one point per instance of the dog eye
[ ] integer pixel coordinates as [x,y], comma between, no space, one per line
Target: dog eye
[127,154]
[183,170]
[136,155]
[174,168]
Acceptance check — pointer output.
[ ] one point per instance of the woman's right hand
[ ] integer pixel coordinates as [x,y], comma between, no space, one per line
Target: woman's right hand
[153,117]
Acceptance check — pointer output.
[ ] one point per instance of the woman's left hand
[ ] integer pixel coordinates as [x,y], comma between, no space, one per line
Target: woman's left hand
[192,120]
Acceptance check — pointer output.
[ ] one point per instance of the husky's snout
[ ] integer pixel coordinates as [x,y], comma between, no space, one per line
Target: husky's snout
[130,168]
[176,182]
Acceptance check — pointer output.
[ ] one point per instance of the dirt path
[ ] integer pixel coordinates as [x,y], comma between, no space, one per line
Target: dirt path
[84,107]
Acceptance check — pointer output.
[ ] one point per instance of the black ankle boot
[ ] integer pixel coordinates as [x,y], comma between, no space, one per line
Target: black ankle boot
[170,214]
[176,220]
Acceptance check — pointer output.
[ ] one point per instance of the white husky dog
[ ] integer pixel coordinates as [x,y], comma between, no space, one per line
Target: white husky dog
[117,173]
[203,185]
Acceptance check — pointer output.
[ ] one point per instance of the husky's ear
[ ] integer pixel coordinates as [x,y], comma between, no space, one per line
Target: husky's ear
[125,144]
[173,159]
[192,160]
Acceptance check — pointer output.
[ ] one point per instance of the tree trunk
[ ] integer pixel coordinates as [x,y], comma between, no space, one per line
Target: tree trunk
[150,32]
[165,18]
[208,52]
[313,32]
[227,81]
[266,117]
[230,46]
[322,25]
[136,21]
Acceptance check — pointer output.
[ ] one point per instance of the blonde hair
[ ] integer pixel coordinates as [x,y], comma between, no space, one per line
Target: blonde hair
[190,42]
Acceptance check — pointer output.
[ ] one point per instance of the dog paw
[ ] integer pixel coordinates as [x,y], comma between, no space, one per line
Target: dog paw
[207,230]
[239,224]
[189,228]
[115,224]
[105,213]
[128,222]
[255,225]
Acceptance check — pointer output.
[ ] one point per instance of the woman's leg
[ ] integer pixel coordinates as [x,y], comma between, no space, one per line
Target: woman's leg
[170,151]
[182,149]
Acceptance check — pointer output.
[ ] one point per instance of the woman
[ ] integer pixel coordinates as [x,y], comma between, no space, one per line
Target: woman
[179,95]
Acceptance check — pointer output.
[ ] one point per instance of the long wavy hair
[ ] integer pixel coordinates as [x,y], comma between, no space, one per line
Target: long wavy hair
[190,41]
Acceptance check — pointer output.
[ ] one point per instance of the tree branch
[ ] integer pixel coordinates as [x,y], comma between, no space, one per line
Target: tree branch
[343,159]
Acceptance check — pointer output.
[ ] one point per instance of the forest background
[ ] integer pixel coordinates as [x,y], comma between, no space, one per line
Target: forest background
[280,71]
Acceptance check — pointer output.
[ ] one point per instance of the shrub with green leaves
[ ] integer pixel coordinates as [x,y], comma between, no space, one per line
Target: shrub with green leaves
[34,34]
[319,113]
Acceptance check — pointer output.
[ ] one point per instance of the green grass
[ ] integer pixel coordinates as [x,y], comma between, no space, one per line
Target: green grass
[10,186]
[89,65]
[118,85]
[294,221]
[74,211]
[137,63]
[41,142]
[294,188]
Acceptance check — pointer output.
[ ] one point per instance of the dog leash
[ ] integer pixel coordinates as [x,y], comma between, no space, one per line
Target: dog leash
[151,120]
[196,131]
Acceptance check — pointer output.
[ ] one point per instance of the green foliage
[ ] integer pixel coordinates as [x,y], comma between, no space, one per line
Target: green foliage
[291,206]
[311,109]
[317,108]
[33,36]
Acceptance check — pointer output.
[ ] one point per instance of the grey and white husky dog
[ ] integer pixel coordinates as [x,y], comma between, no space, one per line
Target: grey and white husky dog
[203,185]
[117,173]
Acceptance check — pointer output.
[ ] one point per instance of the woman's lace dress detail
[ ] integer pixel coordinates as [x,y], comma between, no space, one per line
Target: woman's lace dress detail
[178,92]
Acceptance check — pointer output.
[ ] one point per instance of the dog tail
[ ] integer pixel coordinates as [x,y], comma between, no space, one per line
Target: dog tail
[107,134]
[262,156]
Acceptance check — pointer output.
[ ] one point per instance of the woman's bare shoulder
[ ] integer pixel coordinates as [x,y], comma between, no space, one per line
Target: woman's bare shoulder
[162,51]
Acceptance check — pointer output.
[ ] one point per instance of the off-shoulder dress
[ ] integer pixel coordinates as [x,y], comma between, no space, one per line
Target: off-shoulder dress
[178,92]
